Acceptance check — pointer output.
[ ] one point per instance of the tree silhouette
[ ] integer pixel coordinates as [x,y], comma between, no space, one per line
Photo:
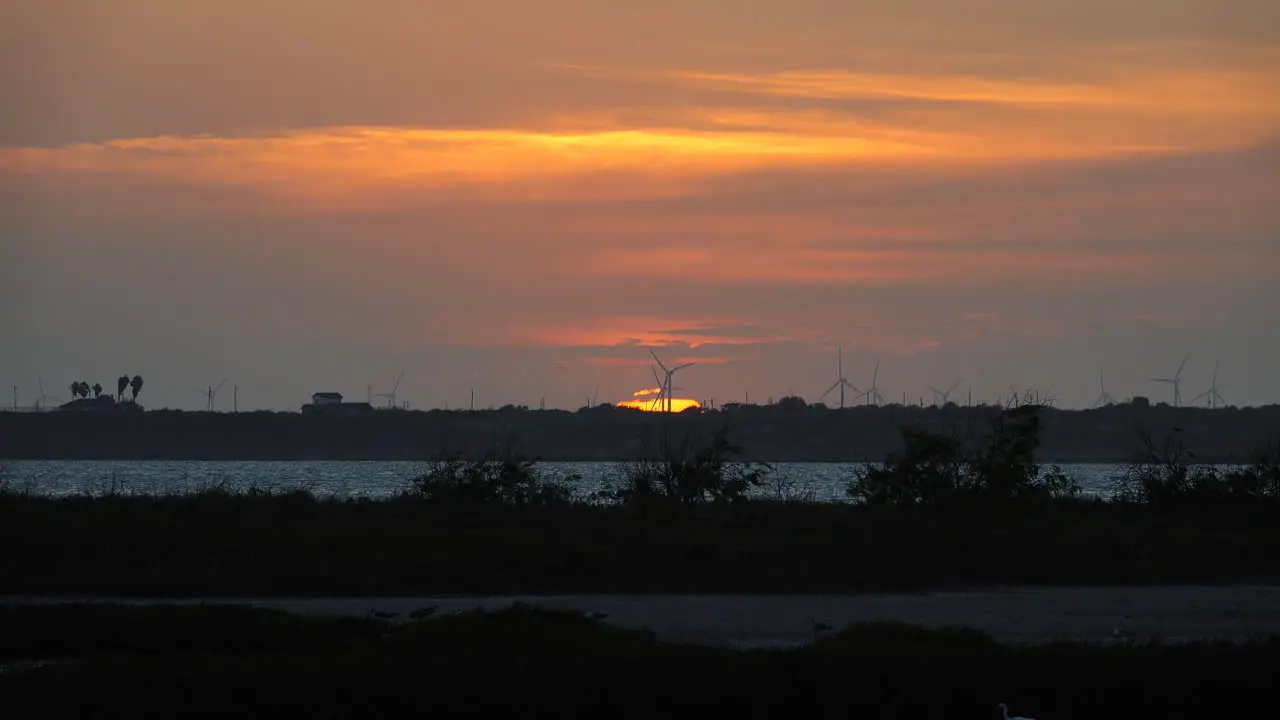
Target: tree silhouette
[136,386]
[80,388]
[97,390]
[121,383]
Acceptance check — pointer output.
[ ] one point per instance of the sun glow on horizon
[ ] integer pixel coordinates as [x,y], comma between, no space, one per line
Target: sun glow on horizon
[657,405]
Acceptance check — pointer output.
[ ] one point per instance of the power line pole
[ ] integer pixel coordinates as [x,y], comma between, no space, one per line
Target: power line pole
[15,398]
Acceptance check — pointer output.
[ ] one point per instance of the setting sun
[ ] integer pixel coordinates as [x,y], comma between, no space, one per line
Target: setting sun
[677,405]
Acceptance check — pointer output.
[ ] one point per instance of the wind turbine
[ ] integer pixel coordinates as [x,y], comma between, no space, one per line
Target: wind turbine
[1212,394]
[669,373]
[40,401]
[210,394]
[1176,381]
[662,391]
[942,397]
[872,394]
[840,382]
[391,396]
[1104,398]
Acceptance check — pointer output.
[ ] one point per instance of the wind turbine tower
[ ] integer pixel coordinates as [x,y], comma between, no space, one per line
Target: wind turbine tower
[1176,382]
[43,397]
[670,372]
[840,382]
[211,394]
[1213,397]
[872,394]
[391,396]
[1103,398]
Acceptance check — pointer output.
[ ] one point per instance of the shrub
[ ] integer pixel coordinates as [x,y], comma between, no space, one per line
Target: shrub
[936,468]
[689,472]
[503,479]
[1169,474]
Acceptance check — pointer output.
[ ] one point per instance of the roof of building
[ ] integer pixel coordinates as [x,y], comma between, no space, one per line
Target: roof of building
[327,395]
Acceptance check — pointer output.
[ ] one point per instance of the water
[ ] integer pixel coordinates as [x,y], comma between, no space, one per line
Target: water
[374,479]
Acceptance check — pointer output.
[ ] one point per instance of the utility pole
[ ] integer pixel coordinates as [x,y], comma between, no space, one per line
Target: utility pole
[473,399]
[235,398]
[15,398]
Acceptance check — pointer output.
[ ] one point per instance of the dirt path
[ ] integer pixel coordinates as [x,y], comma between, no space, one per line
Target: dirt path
[1012,615]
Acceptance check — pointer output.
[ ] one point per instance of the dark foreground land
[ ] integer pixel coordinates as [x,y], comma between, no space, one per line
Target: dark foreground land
[784,432]
[218,544]
[242,662]
[1021,615]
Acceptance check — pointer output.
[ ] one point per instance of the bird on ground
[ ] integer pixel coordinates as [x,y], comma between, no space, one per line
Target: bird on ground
[423,612]
[819,628]
[1004,713]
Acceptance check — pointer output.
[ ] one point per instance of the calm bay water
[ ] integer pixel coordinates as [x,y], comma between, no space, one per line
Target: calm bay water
[818,481]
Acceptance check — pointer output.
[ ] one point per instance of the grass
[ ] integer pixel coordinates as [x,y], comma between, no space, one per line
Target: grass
[222,544]
[224,661]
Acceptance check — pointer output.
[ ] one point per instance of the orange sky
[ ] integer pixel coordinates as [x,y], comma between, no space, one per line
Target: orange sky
[485,194]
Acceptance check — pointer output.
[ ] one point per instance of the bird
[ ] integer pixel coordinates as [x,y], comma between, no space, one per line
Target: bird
[819,628]
[423,612]
[1004,713]
[382,615]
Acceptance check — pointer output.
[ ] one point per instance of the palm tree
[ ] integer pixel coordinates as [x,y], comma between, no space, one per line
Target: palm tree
[97,390]
[136,386]
[122,382]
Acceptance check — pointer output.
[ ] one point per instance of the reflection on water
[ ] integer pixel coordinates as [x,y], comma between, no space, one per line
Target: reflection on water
[817,481]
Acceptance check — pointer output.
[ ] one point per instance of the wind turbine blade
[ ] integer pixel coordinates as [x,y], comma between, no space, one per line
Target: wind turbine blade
[215,390]
[834,385]
[1184,364]
[655,357]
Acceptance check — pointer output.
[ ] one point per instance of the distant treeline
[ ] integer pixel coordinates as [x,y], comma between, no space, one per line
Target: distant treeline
[775,433]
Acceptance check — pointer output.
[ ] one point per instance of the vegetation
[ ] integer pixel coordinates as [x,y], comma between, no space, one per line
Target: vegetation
[495,479]
[688,472]
[938,468]
[230,661]
[81,389]
[1169,474]
[945,512]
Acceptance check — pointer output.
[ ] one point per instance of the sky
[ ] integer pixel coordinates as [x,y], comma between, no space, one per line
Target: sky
[526,198]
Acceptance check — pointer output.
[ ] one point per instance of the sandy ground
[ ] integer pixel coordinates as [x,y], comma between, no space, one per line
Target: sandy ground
[1011,615]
